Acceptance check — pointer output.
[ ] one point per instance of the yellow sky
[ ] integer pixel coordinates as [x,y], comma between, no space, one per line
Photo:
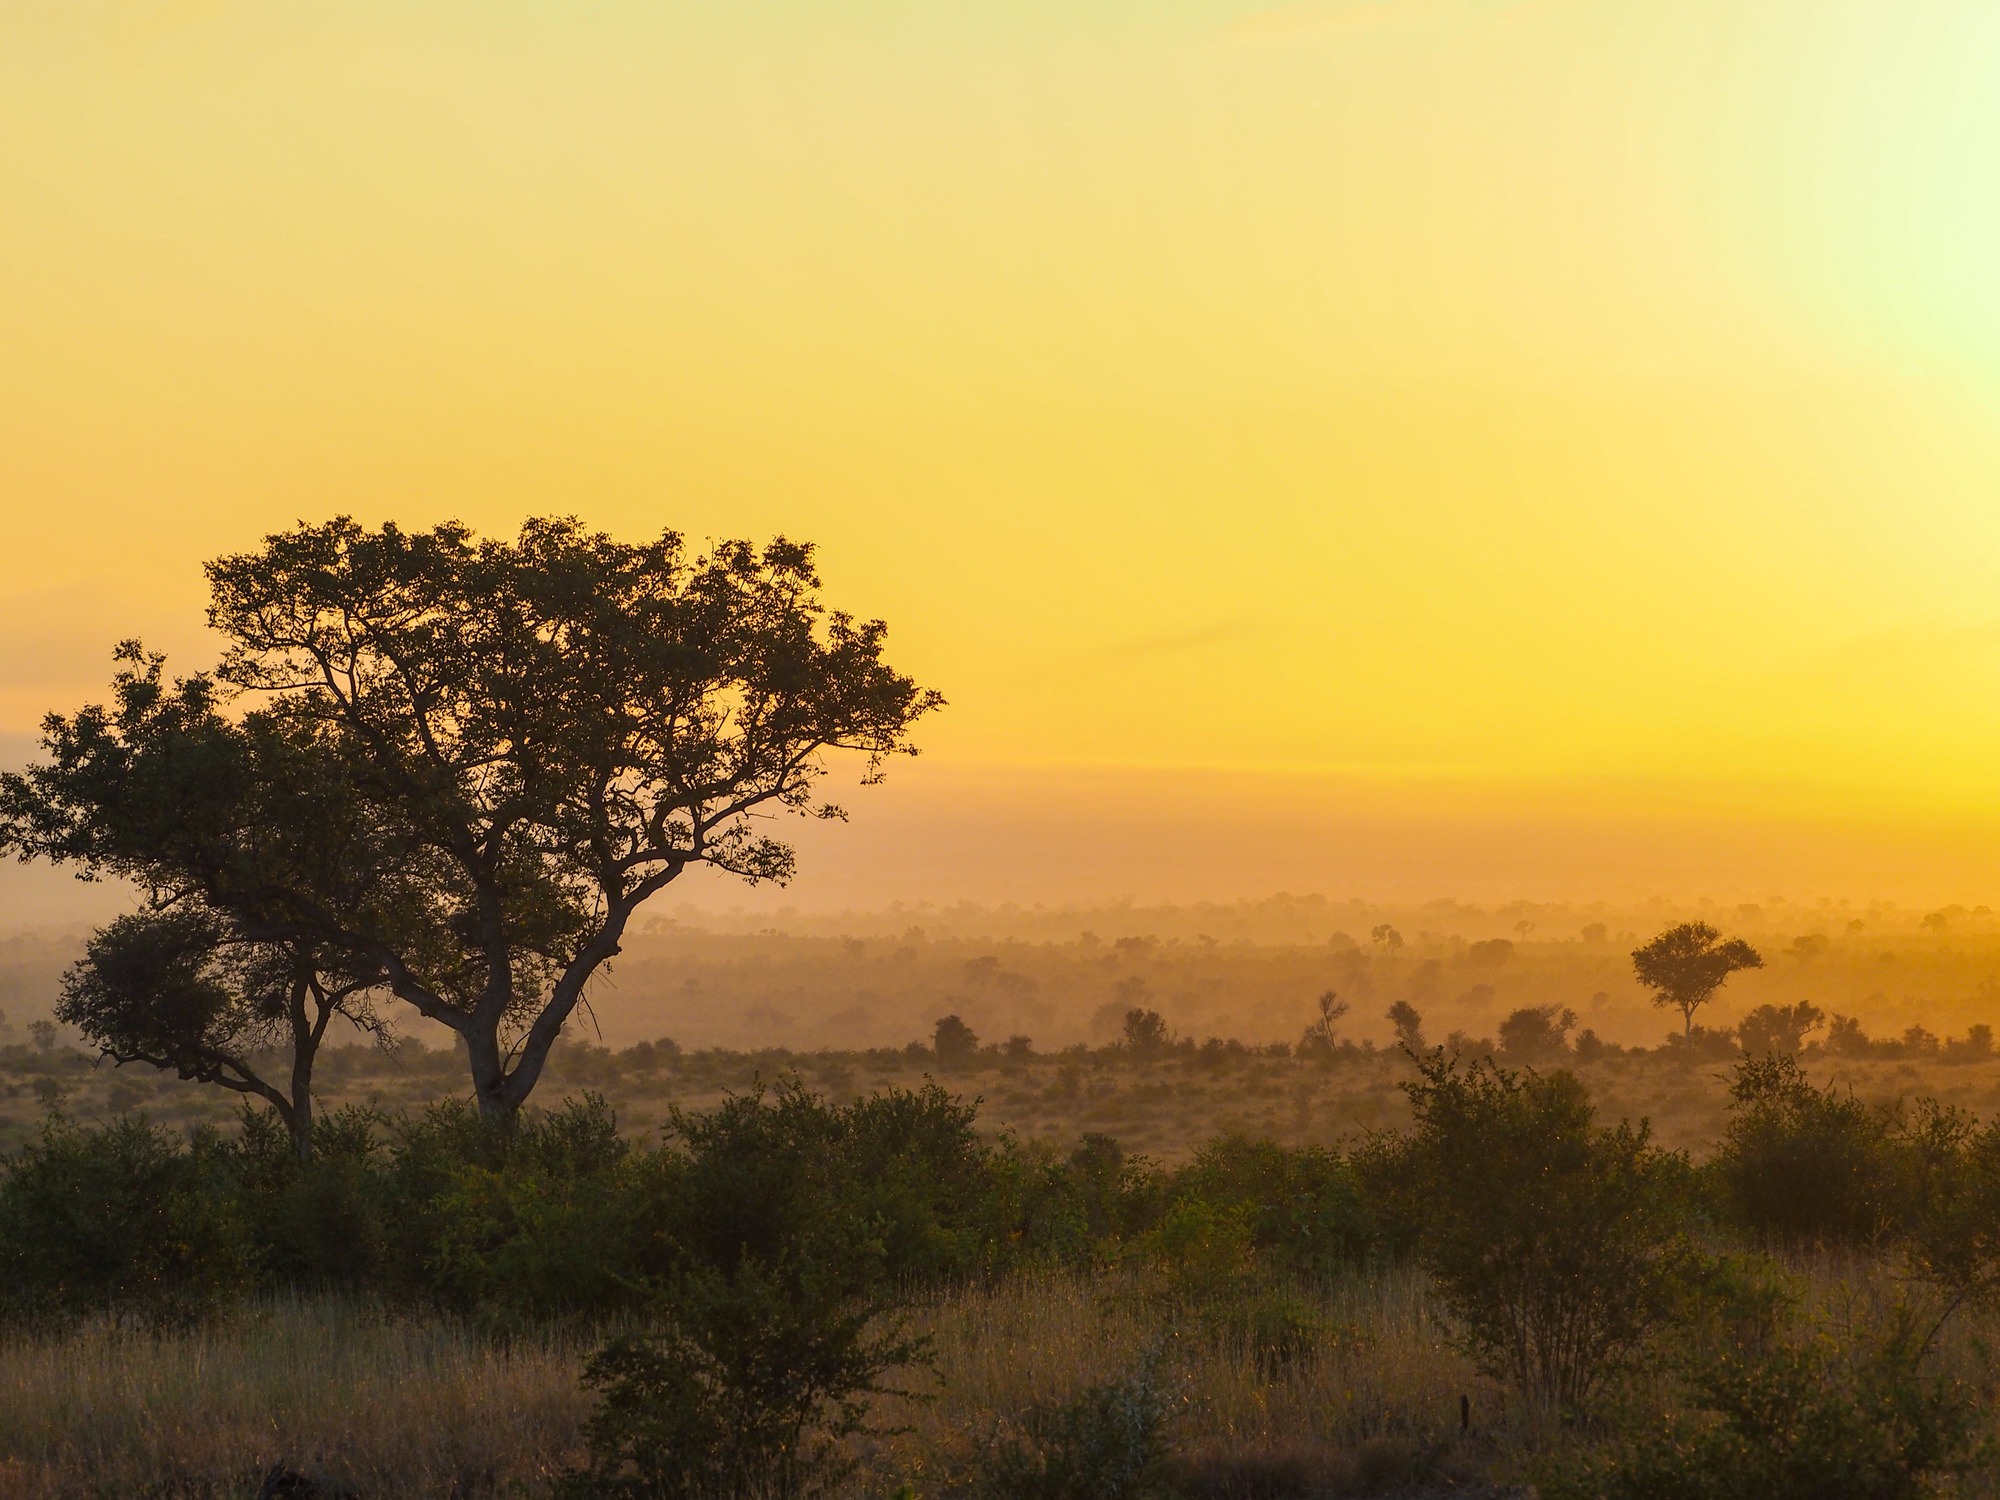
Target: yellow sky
[1578,404]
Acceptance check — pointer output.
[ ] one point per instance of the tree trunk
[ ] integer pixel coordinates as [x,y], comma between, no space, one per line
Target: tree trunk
[489,1074]
[301,1120]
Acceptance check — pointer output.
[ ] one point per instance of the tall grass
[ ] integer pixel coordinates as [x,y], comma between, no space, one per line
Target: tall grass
[391,1405]
[402,1405]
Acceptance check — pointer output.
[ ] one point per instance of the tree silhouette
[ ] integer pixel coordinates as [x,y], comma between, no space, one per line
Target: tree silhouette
[954,1042]
[1685,965]
[1146,1033]
[178,989]
[243,834]
[1409,1026]
[539,735]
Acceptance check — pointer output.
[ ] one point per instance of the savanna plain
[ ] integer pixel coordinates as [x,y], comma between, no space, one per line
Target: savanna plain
[1284,1197]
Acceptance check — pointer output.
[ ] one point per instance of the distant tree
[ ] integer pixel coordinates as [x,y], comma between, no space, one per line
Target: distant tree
[176,988]
[1595,932]
[953,1041]
[1807,946]
[1409,1026]
[1322,1032]
[1537,1033]
[43,1035]
[1685,965]
[1779,1028]
[547,732]
[1146,1033]
[1386,937]
[1845,1038]
[1019,1046]
[1492,951]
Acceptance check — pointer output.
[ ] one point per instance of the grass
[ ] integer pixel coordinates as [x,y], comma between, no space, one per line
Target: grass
[420,1406]
[392,1405]
[402,1406]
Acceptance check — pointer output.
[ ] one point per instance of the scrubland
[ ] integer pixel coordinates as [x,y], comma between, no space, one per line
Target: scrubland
[1250,1261]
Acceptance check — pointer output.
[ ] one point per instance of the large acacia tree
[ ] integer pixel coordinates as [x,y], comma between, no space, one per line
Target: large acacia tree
[549,731]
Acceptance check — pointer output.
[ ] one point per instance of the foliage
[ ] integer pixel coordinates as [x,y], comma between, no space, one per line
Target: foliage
[1685,965]
[1559,1245]
[118,1219]
[1303,1206]
[1779,1028]
[1145,1033]
[236,829]
[954,1042]
[1537,1034]
[1107,1443]
[750,1391]
[556,728]
[1794,1422]
[1800,1164]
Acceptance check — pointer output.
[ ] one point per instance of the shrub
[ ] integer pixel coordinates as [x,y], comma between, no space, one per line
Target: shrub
[1557,1244]
[1306,1213]
[750,1392]
[1106,1444]
[1793,1423]
[1799,1164]
[119,1218]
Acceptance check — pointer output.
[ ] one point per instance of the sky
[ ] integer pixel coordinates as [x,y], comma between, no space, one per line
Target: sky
[1544,447]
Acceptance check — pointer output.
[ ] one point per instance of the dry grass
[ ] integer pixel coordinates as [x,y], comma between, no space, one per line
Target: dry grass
[425,1408]
[395,1406]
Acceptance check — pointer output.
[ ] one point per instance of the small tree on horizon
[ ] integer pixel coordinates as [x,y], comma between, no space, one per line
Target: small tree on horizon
[1409,1024]
[1685,965]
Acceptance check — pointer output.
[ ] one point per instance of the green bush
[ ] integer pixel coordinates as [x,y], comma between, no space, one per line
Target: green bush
[1559,1245]
[750,1391]
[1306,1212]
[120,1218]
[1799,1164]
[1796,1422]
[1108,1443]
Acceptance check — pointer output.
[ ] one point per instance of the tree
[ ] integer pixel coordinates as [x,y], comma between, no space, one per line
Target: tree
[954,1042]
[232,829]
[1321,1033]
[1779,1028]
[176,988]
[1685,965]
[1537,1033]
[1409,1027]
[545,733]
[1146,1033]
[1386,937]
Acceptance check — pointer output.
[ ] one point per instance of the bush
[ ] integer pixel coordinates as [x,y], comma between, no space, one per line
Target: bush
[1304,1205]
[751,1391]
[1106,1444]
[1798,1164]
[1793,1423]
[120,1218]
[1558,1245]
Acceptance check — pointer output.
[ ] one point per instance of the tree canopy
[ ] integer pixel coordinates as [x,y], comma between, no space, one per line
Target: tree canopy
[526,739]
[1685,965]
